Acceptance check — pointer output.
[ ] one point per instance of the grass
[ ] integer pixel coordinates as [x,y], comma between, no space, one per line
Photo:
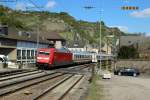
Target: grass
[95,90]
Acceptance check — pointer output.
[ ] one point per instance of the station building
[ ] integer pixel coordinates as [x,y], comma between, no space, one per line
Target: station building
[20,47]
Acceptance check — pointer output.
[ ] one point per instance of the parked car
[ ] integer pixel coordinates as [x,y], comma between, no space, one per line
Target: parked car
[127,72]
[106,75]
[3,61]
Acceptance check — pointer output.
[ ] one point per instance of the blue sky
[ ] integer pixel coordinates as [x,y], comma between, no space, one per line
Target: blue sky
[113,16]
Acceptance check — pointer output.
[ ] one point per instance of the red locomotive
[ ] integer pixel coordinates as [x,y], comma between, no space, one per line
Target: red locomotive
[50,57]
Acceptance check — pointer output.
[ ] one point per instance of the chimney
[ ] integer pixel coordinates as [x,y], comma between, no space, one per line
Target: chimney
[58,44]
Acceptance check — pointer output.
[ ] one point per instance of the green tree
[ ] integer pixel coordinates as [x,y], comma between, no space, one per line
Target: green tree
[128,52]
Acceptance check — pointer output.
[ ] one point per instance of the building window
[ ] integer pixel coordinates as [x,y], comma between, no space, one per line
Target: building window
[28,54]
[23,54]
[32,54]
[18,54]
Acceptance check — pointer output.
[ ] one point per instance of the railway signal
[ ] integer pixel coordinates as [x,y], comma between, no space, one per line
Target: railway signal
[130,8]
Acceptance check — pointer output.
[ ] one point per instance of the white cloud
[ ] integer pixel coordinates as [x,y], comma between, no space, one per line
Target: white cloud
[141,14]
[20,6]
[50,4]
[122,28]
[30,5]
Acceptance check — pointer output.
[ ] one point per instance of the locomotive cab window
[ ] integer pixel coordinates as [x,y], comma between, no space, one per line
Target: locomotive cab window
[44,53]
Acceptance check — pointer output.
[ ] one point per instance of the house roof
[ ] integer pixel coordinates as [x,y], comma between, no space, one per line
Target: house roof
[29,36]
[129,40]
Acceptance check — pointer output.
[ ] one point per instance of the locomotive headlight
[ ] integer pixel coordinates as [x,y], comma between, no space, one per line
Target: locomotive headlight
[42,58]
[46,58]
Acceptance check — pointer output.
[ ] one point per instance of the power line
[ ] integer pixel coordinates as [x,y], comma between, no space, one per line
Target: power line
[8,0]
[35,5]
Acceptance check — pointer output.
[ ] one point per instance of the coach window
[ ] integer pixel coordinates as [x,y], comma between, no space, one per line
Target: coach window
[77,56]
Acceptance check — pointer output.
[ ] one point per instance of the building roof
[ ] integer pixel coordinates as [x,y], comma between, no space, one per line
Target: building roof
[29,36]
[130,40]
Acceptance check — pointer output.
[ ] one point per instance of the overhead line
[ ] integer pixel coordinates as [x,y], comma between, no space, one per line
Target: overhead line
[8,0]
[35,5]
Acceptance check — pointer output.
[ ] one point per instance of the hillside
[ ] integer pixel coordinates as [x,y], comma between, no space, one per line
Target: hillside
[77,31]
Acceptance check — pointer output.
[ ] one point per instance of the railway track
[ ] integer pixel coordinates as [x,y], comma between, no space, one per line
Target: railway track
[59,88]
[20,75]
[39,85]
[45,90]
[70,88]
[14,72]
[13,85]
[76,69]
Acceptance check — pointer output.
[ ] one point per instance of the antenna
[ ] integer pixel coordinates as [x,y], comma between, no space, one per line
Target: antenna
[35,5]
[89,7]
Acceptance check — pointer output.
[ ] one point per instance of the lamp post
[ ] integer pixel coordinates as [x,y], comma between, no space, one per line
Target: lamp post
[37,45]
[100,40]
[37,30]
[100,34]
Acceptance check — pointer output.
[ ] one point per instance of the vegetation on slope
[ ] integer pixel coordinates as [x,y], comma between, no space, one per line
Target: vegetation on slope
[80,32]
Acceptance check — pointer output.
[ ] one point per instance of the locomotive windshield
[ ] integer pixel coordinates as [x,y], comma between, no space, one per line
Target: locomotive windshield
[44,53]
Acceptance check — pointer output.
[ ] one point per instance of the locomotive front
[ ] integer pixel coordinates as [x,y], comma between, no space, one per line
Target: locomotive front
[44,57]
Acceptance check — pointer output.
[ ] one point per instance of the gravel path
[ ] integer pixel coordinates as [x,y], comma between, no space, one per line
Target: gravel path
[126,88]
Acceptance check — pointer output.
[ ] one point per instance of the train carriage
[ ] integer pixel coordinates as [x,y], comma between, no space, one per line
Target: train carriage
[82,57]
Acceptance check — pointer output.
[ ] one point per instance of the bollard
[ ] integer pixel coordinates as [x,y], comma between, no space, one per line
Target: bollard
[20,65]
[5,65]
[92,73]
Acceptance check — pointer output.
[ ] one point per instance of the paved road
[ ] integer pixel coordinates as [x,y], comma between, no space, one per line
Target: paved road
[126,88]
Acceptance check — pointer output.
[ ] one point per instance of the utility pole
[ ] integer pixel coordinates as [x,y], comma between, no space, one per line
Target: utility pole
[38,22]
[100,35]
[37,45]
[100,40]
